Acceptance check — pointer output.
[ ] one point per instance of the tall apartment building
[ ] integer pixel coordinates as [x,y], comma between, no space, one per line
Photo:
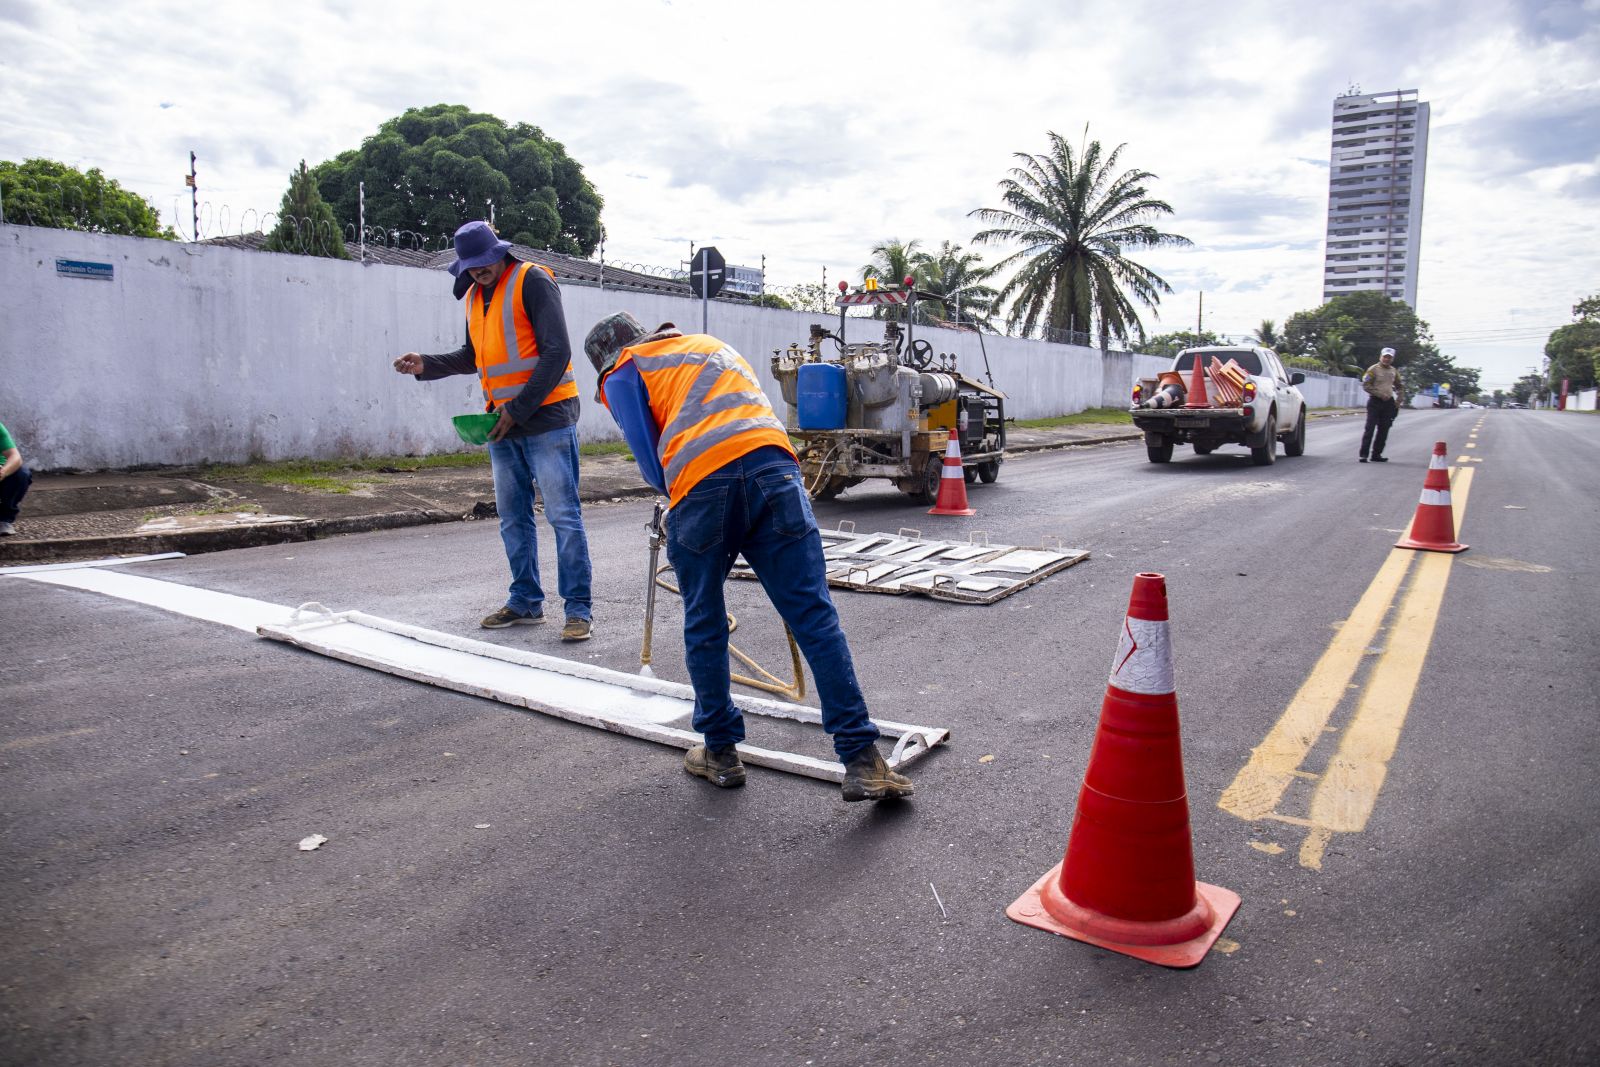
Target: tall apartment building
[1380,153]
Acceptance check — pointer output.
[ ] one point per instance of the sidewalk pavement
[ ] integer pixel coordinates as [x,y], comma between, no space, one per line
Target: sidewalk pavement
[68,517]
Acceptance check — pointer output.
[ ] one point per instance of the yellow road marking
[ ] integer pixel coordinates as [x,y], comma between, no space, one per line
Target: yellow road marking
[1259,786]
[44,739]
[1344,799]
[1347,791]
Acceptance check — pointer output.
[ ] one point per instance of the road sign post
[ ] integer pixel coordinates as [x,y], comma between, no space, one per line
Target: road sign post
[707,272]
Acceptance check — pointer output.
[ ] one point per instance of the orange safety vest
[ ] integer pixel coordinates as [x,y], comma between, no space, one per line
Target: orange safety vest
[708,403]
[502,369]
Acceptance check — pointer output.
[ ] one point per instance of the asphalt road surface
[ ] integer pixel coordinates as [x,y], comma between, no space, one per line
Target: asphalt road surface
[1389,756]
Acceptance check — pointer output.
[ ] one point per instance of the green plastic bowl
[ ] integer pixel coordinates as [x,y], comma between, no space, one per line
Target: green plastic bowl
[474,429]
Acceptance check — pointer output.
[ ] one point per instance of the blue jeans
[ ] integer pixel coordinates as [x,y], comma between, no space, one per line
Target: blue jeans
[547,462]
[12,489]
[757,505]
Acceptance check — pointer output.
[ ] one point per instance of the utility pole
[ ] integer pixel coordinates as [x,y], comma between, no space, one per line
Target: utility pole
[1200,317]
[192,181]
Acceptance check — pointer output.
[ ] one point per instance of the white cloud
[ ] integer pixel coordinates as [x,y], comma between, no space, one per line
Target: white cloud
[808,132]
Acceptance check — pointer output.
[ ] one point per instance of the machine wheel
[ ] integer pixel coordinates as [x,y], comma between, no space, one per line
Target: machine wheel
[1267,454]
[989,471]
[928,492]
[1203,450]
[1161,453]
[1295,443]
[970,474]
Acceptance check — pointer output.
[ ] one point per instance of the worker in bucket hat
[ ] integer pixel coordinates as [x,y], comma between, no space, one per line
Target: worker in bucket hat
[517,345]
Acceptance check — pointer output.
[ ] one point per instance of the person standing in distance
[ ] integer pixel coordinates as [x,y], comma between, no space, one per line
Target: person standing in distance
[518,347]
[704,434]
[1382,383]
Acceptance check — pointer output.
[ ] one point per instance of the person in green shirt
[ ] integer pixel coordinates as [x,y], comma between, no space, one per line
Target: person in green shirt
[14,481]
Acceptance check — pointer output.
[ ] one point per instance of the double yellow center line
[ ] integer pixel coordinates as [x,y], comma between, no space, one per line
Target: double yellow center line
[1346,789]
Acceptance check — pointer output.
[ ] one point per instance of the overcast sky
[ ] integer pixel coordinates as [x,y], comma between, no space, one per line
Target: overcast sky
[809,132]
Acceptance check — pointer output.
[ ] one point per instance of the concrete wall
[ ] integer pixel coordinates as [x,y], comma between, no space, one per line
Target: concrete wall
[198,353]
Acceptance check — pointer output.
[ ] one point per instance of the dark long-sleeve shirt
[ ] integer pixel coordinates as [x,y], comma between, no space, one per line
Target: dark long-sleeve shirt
[541,298]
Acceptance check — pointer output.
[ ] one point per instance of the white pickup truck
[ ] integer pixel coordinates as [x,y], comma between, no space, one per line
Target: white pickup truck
[1269,410]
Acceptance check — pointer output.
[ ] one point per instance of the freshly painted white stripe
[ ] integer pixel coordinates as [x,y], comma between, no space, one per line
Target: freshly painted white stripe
[115,561]
[1143,663]
[241,613]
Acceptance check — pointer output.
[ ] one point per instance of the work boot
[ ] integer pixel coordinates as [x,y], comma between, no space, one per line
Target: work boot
[868,777]
[719,766]
[1380,459]
[499,620]
[7,530]
[577,629]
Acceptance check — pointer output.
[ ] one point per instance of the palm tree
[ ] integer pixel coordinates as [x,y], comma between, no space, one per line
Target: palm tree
[893,262]
[954,280]
[1337,354]
[1074,216]
[1267,335]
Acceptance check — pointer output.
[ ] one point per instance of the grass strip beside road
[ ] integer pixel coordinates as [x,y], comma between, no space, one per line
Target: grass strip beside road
[344,475]
[1090,416]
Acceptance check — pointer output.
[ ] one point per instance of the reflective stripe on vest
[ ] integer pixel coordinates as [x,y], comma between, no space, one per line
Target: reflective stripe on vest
[503,369]
[709,404]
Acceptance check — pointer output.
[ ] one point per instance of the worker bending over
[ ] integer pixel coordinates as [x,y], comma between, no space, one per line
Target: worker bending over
[704,434]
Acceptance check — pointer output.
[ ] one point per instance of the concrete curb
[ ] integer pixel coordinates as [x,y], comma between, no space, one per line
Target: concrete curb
[192,542]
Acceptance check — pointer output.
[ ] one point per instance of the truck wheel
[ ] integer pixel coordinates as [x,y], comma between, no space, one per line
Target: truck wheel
[1295,443]
[1161,453]
[928,492]
[970,474]
[989,471]
[1267,454]
[1203,449]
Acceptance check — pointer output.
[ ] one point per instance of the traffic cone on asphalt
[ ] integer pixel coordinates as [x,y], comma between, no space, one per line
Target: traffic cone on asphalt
[952,499]
[1433,528]
[1197,387]
[1127,880]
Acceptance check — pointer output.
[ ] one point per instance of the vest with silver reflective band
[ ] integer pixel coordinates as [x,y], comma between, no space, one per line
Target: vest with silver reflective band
[505,345]
[709,405]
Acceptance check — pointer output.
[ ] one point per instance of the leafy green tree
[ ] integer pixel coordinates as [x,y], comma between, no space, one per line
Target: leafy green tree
[434,168]
[1529,387]
[812,297]
[771,300]
[1170,344]
[305,221]
[42,192]
[1498,397]
[1370,321]
[1432,367]
[1573,350]
[955,279]
[1074,217]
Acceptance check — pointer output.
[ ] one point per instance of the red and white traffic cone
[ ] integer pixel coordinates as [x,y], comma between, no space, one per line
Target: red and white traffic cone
[952,499]
[1433,528]
[1127,880]
[1197,387]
